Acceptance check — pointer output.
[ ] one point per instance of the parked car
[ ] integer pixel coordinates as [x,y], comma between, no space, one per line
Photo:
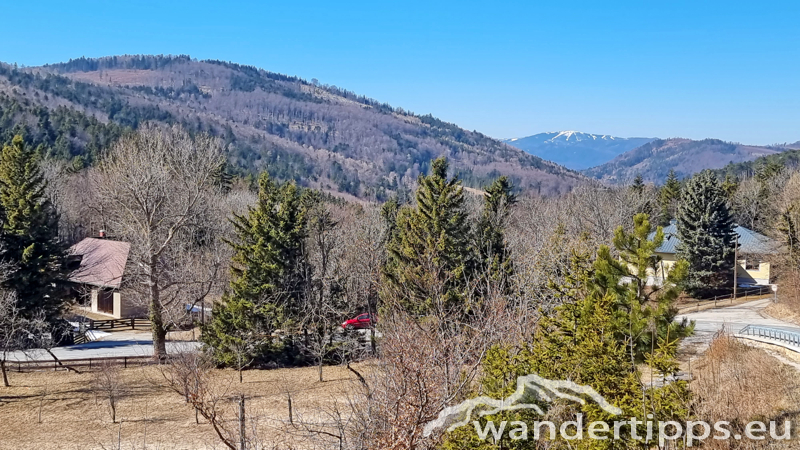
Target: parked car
[359,322]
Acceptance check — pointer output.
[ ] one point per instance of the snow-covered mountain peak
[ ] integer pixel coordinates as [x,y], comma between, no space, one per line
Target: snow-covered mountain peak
[575,149]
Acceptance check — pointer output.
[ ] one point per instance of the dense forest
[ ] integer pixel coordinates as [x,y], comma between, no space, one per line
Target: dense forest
[319,135]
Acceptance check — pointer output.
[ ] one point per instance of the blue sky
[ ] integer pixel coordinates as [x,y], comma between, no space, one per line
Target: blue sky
[696,69]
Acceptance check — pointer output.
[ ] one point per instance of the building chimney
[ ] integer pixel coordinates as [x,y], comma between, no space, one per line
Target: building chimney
[102,234]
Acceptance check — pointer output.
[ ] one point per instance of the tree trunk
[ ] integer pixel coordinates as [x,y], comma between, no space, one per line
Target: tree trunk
[320,370]
[157,322]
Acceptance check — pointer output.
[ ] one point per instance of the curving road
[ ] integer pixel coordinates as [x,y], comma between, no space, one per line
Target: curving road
[732,319]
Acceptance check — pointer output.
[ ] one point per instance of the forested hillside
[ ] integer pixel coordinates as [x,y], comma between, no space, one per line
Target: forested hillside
[654,160]
[322,136]
[788,157]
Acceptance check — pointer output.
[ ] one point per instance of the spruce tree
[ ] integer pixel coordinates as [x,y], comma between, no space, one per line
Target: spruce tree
[638,184]
[268,273]
[30,244]
[670,195]
[707,235]
[493,255]
[429,251]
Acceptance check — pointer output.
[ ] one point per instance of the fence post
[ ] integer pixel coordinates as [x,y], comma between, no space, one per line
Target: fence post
[133,324]
[715,301]
[242,434]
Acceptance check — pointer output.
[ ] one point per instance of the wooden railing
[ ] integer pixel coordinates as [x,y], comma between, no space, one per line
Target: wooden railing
[85,363]
[115,324]
[722,300]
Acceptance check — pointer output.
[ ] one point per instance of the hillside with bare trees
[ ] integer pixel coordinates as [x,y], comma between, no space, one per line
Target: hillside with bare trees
[321,136]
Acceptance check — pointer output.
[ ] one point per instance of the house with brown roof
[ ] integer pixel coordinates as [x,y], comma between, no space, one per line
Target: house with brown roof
[98,273]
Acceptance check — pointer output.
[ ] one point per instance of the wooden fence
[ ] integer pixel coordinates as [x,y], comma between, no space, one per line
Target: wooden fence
[115,324]
[723,300]
[80,363]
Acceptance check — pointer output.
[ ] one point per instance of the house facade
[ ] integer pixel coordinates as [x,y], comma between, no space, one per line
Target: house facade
[751,265]
[98,267]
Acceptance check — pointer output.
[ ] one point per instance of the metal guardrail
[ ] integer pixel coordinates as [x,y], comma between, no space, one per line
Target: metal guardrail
[788,337]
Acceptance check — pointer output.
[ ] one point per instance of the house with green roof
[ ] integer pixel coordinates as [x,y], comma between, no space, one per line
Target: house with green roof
[752,268]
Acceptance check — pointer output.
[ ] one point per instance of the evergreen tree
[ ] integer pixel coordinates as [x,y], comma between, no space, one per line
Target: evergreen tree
[268,273]
[669,196]
[429,251]
[580,343]
[223,177]
[729,186]
[30,243]
[707,235]
[645,296]
[638,184]
[494,256]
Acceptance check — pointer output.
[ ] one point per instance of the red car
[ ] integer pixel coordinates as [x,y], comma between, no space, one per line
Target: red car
[360,322]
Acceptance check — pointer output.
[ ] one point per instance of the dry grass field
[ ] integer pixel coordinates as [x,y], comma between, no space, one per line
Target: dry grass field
[61,410]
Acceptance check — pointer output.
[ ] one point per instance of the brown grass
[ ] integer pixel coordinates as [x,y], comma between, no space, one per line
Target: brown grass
[150,415]
[783,311]
[739,383]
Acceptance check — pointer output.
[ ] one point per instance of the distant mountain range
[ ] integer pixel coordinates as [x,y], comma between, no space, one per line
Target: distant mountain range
[322,136]
[576,150]
[655,159]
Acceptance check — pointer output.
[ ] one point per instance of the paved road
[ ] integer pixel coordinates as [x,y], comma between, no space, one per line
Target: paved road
[733,319]
[118,343]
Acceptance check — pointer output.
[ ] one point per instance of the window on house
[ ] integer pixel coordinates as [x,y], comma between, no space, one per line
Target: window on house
[752,264]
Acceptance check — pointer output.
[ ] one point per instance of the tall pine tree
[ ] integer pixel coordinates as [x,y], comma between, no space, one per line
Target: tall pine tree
[670,195]
[645,311]
[638,184]
[494,256]
[707,234]
[429,251]
[268,274]
[30,244]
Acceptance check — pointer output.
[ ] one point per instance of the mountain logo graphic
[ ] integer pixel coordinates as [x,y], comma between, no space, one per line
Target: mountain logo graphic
[528,387]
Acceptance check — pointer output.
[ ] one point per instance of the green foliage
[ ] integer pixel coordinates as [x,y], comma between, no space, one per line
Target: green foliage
[30,244]
[644,315]
[494,258]
[64,133]
[429,251]
[638,184]
[706,231]
[268,273]
[223,177]
[580,342]
[786,158]
[669,196]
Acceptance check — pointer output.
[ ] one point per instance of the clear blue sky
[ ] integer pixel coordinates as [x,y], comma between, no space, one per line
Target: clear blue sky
[724,69]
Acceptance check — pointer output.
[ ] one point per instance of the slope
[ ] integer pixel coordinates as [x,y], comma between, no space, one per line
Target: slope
[322,136]
[654,160]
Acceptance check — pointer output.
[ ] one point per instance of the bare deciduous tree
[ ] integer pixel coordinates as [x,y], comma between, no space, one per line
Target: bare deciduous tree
[156,188]
[107,383]
[18,333]
[190,374]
